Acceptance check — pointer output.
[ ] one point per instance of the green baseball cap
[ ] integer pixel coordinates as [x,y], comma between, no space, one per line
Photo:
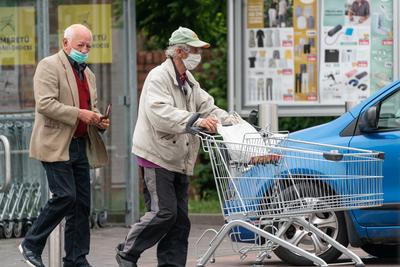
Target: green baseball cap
[187,36]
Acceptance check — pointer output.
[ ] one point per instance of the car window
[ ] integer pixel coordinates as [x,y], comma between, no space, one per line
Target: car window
[389,115]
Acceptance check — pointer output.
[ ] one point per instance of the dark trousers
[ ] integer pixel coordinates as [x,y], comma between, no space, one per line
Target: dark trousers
[69,181]
[166,222]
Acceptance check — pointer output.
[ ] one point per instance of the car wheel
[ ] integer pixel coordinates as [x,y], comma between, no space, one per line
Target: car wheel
[331,223]
[382,251]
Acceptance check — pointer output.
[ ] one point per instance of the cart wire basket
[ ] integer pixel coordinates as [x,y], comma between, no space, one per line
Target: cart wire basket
[270,178]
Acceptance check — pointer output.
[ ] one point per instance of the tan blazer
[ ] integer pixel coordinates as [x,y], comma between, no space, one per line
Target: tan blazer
[56,112]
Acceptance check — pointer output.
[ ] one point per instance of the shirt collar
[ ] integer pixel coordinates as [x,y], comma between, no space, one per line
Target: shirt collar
[180,78]
[79,67]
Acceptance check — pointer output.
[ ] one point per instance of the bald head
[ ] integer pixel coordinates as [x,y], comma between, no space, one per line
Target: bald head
[77,36]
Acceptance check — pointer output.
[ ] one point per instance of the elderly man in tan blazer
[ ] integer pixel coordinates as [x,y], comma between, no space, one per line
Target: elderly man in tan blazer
[66,140]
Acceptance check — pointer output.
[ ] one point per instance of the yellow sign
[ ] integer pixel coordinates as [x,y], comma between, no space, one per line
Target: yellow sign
[17,36]
[97,17]
[255,14]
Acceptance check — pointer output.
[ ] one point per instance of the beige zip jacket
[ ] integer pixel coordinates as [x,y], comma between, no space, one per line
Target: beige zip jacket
[164,110]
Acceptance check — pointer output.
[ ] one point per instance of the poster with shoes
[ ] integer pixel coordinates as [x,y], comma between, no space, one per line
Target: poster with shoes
[269,71]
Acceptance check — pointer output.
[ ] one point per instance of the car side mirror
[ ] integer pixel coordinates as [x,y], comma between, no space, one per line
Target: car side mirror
[369,120]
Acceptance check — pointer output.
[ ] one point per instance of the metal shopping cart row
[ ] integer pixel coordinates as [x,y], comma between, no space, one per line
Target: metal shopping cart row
[20,200]
[19,208]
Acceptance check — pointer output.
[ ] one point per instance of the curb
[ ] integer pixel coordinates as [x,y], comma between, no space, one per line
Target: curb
[206,218]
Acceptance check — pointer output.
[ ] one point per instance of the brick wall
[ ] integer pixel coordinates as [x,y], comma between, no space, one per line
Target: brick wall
[145,62]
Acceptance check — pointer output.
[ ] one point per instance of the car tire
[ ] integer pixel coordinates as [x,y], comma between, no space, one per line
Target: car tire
[382,251]
[332,223]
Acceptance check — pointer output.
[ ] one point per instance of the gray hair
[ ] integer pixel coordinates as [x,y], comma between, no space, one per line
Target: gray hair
[69,32]
[171,50]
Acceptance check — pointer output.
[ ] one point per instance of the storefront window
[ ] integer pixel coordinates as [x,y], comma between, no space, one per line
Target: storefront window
[107,61]
[18,55]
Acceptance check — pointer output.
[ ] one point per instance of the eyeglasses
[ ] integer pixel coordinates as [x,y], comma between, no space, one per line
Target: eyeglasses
[196,50]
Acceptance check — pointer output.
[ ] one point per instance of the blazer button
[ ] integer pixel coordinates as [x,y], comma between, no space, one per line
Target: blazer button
[187,144]
[174,142]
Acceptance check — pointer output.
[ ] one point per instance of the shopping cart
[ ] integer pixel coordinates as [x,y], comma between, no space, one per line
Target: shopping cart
[267,183]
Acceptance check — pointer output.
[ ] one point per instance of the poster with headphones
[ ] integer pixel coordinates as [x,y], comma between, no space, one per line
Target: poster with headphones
[269,71]
[345,51]
[356,54]
[305,49]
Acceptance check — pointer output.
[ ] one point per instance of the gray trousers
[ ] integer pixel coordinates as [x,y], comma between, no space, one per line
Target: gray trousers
[166,222]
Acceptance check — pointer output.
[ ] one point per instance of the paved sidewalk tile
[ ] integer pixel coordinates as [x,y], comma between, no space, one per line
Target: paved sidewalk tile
[104,240]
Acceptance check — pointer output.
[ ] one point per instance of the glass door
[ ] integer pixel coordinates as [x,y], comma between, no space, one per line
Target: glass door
[107,60]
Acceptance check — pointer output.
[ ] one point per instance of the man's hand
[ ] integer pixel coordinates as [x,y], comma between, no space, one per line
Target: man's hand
[210,123]
[88,117]
[103,124]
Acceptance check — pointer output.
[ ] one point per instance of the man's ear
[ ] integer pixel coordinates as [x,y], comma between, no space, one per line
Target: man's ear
[65,42]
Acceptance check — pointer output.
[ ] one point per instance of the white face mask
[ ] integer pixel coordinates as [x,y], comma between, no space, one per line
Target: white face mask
[192,61]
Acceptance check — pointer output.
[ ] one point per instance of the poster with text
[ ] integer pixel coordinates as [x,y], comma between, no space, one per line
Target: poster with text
[345,66]
[17,36]
[269,62]
[381,44]
[97,17]
[305,49]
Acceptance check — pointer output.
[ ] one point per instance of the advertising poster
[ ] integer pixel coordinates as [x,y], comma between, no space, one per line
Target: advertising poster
[255,14]
[98,19]
[9,93]
[269,69]
[17,36]
[381,44]
[305,49]
[345,67]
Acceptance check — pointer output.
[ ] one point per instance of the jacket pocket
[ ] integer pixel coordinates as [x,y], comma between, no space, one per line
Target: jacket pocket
[167,137]
[49,123]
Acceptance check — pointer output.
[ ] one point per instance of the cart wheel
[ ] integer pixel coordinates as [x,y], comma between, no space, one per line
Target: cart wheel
[18,229]
[1,231]
[27,226]
[93,219]
[331,223]
[102,219]
[8,229]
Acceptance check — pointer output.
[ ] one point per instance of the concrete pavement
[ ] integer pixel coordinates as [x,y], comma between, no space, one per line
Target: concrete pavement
[104,240]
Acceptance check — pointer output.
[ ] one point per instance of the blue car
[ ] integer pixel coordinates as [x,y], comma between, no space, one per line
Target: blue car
[374,125]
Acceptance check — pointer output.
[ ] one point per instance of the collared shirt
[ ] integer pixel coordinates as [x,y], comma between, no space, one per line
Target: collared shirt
[180,78]
[80,68]
[361,9]
[83,91]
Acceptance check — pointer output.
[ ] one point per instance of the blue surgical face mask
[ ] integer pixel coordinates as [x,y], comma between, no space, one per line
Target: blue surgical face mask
[78,56]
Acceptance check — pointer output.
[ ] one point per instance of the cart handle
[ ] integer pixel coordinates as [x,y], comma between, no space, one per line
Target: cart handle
[197,130]
[7,157]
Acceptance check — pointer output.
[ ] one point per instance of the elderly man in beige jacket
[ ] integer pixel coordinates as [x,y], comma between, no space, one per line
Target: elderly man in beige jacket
[171,101]
[66,140]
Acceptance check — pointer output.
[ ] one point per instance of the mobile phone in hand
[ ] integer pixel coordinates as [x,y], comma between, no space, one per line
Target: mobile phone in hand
[107,113]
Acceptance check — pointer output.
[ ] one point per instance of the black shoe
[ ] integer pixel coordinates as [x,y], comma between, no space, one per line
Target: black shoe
[123,262]
[31,258]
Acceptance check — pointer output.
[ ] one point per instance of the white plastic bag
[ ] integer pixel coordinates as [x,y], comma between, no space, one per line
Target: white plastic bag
[235,133]
[234,138]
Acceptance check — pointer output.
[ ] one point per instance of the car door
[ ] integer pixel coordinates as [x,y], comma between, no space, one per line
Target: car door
[385,138]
